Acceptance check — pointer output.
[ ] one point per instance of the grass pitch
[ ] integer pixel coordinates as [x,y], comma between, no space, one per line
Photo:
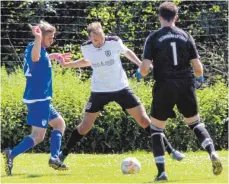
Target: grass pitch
[99,168]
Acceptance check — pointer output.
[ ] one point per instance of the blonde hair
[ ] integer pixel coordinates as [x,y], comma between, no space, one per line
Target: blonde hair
[46,27]
[95,27]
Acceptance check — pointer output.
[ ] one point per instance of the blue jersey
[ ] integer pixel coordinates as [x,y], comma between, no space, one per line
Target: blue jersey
[38,76]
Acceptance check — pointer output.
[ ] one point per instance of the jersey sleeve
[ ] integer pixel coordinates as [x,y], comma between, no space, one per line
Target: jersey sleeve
[148,48]
[84,53]
[122,48]
[28,55]
[28,52]
[193,50]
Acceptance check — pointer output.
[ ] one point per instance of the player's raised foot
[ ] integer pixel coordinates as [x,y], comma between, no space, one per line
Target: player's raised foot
[56,164]
[8,161]
[161,177]
[216,164]
[176,155]
[62,157]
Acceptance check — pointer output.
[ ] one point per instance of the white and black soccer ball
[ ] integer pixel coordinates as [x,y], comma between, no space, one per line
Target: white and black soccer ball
[130,165]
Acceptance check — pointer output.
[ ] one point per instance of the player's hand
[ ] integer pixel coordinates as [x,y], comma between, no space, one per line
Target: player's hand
[36,31]
[67,56]
[60,59]
[138,75]
[200,79]
[198,82]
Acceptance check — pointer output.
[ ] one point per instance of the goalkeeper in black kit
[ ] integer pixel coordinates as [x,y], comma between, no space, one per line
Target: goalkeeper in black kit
[176,65]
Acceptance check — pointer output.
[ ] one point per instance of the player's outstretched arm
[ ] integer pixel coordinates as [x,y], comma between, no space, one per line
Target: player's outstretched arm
[57,56]
[80,63]
[132,57]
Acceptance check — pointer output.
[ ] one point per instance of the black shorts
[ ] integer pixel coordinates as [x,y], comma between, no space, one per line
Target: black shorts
[125,98]
[170,93]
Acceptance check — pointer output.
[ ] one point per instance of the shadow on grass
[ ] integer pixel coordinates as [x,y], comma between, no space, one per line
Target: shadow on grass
[41,175]
[36,175]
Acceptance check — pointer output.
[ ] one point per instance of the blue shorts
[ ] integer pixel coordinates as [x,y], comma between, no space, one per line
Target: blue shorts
[40,113]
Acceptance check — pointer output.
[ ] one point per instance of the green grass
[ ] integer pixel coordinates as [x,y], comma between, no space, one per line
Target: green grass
[99,168]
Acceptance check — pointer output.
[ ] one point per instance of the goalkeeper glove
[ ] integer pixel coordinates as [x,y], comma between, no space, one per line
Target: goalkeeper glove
[200,79]
[138,75]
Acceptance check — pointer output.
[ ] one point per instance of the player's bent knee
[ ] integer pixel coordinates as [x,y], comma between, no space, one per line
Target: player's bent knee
[58,124]
[38,138]
[61,127]
[144,121]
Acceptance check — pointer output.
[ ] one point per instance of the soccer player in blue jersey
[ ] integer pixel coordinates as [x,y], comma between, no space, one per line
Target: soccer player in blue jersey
[37,97]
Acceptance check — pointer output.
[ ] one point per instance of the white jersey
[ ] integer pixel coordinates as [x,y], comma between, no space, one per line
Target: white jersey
[108,74]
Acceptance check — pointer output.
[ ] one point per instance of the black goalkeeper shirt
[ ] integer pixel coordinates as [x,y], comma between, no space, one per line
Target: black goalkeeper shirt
[171,50]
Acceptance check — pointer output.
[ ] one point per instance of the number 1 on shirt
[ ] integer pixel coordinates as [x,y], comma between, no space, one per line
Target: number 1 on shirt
[174,47]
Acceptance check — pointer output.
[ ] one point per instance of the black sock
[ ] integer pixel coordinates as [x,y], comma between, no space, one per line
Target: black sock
[158,148]
[167,144]
[203,136]
[75,137]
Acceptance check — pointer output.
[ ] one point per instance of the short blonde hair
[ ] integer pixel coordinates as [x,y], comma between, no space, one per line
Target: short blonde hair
[46,27]
[95,27]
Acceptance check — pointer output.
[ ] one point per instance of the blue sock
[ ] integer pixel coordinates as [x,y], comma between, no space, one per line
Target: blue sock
[22,147]
[55,144]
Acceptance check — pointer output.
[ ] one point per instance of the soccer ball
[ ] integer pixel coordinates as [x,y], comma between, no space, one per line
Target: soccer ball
[130,165]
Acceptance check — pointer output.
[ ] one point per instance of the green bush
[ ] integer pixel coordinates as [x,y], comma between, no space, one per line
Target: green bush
[114,131]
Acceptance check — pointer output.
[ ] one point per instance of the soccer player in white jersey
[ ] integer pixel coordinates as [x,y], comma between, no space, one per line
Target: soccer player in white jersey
[37,97]
[109,83]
